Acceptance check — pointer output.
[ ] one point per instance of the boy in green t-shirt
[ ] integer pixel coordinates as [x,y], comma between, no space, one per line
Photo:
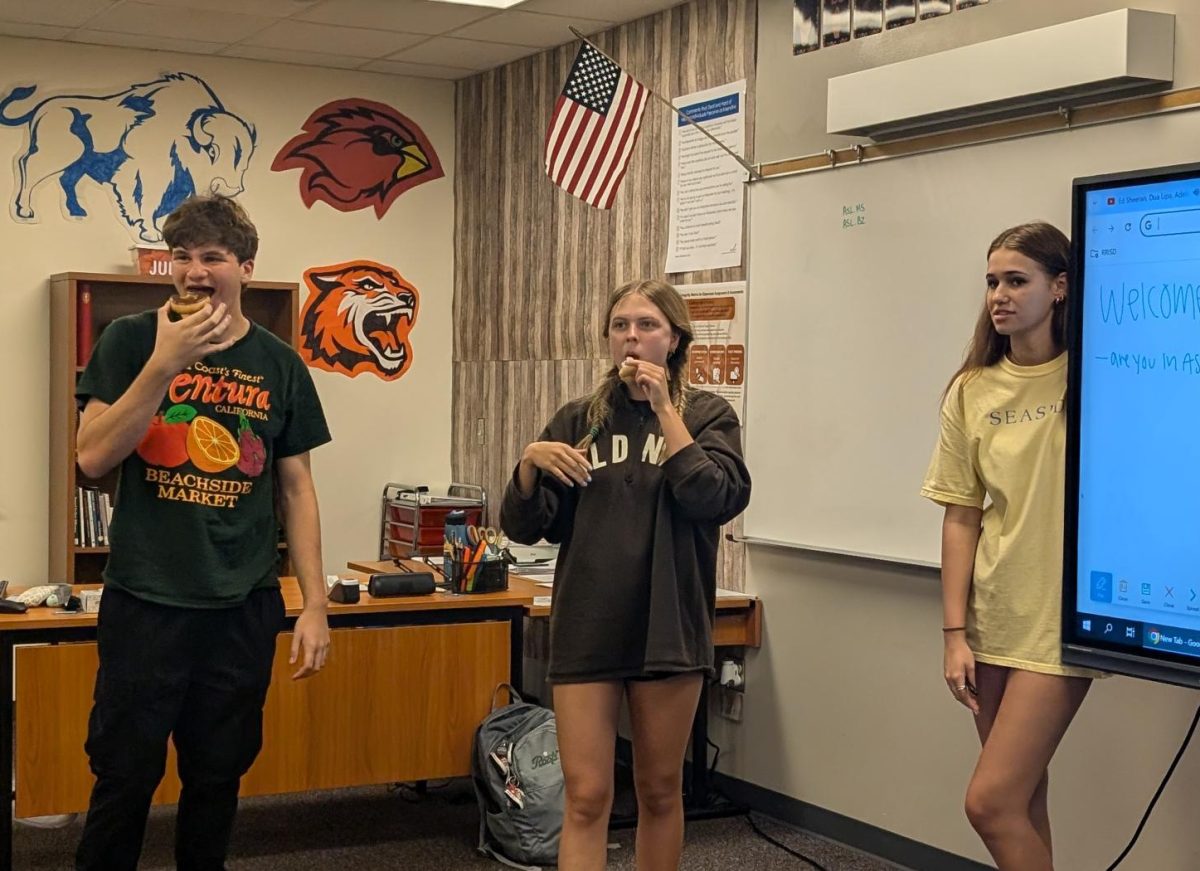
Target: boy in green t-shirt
[206,416]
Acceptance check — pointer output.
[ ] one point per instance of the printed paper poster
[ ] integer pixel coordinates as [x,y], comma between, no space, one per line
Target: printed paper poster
[717,356]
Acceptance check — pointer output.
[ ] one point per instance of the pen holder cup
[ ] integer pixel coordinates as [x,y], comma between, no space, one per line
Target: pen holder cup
[476,576]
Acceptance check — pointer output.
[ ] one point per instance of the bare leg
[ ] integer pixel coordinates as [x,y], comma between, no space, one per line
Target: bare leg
[587,737]
[662,713]
[1039,812]
[991,680]
[1023,718]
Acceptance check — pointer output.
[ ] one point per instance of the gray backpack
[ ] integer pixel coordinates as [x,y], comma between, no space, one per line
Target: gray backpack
[518,783]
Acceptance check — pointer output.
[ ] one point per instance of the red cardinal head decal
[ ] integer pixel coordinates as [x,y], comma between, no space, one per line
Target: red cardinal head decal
[357,153]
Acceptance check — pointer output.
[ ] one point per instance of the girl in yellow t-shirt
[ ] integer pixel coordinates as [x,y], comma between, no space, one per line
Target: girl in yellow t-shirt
[998,470]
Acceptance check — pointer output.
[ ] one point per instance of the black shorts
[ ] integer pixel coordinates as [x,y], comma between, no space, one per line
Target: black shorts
[657,675]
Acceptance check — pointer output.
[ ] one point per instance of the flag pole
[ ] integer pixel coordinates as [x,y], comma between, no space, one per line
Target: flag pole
[754,173]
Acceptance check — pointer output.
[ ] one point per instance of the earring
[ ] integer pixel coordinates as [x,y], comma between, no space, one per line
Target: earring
[1058,300]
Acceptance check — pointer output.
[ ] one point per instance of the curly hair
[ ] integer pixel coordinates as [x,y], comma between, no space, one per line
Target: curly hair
[210,219]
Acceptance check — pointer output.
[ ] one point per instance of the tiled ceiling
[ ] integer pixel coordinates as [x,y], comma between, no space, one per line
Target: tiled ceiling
[404,37]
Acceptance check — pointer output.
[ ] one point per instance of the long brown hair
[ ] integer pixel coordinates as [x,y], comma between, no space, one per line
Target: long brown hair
[1047,246]
[673,307]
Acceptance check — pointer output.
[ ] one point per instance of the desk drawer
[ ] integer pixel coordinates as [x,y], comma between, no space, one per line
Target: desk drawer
[740,627]
[430,518]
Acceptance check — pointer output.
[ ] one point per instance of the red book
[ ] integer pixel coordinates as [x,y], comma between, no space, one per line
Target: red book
[83,325]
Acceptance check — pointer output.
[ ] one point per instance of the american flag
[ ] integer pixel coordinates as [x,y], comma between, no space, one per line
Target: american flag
[593,128]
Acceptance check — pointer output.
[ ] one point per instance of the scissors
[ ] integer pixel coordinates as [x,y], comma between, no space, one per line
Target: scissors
[484,535]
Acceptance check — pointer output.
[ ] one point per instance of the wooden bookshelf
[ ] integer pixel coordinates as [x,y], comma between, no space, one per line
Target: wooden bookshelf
[274,305]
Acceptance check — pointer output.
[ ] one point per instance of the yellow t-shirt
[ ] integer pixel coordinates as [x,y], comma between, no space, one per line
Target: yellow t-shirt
[1002,441]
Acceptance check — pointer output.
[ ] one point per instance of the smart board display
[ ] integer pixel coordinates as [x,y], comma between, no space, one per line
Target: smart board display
[1131,599]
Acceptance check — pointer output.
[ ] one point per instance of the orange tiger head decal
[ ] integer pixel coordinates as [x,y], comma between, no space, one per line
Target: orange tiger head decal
[357,319]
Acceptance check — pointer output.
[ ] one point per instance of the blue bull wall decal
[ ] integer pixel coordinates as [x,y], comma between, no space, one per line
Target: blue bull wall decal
[154,145]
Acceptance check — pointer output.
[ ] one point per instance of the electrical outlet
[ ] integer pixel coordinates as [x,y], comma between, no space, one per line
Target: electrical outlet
[733,673]
[731,704]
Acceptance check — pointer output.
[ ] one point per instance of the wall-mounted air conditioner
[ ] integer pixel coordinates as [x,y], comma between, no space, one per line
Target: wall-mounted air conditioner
[1090,57]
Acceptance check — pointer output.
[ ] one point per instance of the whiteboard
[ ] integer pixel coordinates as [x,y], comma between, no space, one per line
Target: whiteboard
[855,326]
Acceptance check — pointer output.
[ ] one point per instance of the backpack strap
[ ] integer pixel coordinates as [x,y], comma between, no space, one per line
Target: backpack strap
[504,860]
[485,848]
[480,790]
[513,696]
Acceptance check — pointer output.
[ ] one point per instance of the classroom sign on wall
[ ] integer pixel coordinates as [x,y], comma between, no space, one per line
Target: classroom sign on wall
[704,223]
[717,356]
[357,318]
[356,154]
[152,145]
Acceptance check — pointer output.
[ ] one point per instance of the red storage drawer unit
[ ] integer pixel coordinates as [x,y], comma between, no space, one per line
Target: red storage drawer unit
[413,521]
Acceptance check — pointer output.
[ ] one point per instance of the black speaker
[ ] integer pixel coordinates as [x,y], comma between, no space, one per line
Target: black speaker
[401,584]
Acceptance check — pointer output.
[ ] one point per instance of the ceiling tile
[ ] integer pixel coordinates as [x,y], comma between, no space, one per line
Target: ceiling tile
[291,56]
[269,8]
[466,53]
[530,28]
[407,16]
[424,71]
[300,36]
[34,31]
[613,10]
[70,13]
[181,24]
[135,40]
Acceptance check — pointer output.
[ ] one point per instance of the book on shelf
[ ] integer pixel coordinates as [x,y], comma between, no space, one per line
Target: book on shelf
[106,510]
[93,513]
[83,325]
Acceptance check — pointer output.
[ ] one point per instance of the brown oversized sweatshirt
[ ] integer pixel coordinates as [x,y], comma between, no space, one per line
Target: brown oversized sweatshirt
[635,585]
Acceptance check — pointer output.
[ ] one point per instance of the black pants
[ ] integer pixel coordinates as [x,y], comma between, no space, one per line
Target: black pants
[198,675]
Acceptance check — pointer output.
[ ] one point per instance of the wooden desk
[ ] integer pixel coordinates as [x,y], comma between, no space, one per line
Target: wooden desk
[738,624]
[406,684]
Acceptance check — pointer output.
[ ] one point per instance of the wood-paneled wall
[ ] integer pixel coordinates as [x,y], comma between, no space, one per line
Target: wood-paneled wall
[535,265]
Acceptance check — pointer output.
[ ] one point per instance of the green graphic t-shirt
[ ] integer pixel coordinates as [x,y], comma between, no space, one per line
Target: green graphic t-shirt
[194,521]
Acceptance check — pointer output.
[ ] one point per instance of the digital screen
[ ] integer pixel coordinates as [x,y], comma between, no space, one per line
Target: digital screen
[1132,554]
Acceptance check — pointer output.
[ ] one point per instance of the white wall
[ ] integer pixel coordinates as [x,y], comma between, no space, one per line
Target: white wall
[845,706]
[383,431]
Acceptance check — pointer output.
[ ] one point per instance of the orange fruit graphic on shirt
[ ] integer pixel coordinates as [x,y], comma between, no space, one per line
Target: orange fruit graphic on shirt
[210,446]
